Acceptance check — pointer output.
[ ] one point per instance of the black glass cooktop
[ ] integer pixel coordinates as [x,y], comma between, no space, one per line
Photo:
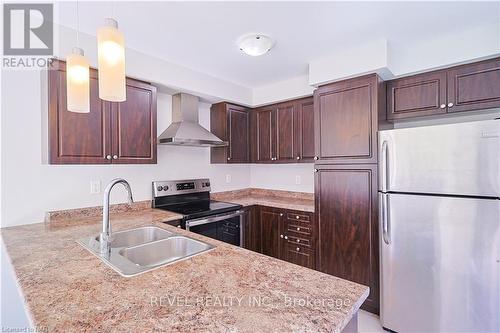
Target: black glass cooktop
[193,210]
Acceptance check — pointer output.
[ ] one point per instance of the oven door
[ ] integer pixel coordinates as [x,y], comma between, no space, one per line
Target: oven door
[227,227]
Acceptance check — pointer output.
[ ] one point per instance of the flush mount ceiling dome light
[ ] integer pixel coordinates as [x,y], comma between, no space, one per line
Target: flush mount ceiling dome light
[255,44]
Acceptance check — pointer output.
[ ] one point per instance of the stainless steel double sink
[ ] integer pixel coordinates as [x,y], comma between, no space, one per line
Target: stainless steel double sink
[135,251]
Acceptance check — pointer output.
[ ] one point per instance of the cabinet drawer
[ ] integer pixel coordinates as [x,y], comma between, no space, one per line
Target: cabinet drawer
[299,241]
[300,255]
[298,229]
[298,217]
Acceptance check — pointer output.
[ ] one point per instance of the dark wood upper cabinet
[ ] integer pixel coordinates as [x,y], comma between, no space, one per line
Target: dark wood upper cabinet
[468,87]
[278,133]
[474,86]
[230,123]
[285,133]
[134,125]
[346,210]
[110,133]
[77,138]
[346,120]
[264,141]
[419,95]
[304,130]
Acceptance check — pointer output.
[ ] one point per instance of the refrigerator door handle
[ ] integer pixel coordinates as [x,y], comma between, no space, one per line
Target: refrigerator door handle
[384,211]
[384,166]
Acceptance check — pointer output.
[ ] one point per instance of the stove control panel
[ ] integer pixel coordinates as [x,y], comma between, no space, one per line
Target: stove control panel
[176,187]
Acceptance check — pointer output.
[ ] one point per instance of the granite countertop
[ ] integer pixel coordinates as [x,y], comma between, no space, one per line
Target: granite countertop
[272,198]
[67,289]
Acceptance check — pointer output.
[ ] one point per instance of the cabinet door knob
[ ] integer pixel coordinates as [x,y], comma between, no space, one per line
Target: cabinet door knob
[229,158]
[115,157]
[281,236]
[281,214]
[316,158]
[315,170]
[286,237]
[297,217]
[298,240]
[298,229]
[442,106]
[298,157]
[450,105]
[298,249]
[108,157]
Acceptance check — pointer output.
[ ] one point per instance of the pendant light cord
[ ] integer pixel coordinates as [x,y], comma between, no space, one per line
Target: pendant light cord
[77,24]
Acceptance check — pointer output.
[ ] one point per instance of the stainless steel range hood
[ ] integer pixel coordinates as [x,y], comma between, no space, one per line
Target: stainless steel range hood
[185,129]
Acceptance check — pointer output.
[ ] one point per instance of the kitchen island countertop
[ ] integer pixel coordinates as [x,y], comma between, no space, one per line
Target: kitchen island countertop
[68,289]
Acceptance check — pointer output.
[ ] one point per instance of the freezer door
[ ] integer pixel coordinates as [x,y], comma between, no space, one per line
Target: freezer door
[440,264]
[462,159]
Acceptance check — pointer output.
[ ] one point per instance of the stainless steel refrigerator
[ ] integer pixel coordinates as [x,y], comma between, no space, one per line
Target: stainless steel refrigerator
[439,196]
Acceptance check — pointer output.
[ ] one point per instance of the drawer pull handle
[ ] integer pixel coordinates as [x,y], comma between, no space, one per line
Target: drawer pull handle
[298,249]
[298,240]
[298,229]
[297,217]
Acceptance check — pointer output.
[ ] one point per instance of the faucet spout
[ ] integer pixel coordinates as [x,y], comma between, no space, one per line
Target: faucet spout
[105,236]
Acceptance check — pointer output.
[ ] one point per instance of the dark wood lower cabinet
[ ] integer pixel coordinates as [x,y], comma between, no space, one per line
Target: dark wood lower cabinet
[270,231]
[298,254]
[284,234]
[347,214]
[252,229]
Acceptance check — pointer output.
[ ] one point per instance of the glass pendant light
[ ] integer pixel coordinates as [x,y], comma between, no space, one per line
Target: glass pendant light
[77,77]
[111,62]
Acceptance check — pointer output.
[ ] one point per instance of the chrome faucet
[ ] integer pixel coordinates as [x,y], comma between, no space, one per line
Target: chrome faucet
[105,236]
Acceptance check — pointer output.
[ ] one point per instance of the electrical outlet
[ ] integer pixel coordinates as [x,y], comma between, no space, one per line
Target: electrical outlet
[298,180]
[95,186]
[228,179]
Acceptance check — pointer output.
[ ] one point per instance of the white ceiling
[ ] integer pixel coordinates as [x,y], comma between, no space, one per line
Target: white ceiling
[202,35]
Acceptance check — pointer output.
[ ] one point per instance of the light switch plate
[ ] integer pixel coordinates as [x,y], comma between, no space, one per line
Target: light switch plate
[228,179]
[298,180]
[95,186]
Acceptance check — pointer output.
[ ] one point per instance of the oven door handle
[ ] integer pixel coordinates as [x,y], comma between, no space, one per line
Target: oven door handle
[211,219]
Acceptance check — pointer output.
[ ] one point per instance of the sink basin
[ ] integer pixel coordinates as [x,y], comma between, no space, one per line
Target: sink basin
[139,250]
[137,236]
[164,251]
